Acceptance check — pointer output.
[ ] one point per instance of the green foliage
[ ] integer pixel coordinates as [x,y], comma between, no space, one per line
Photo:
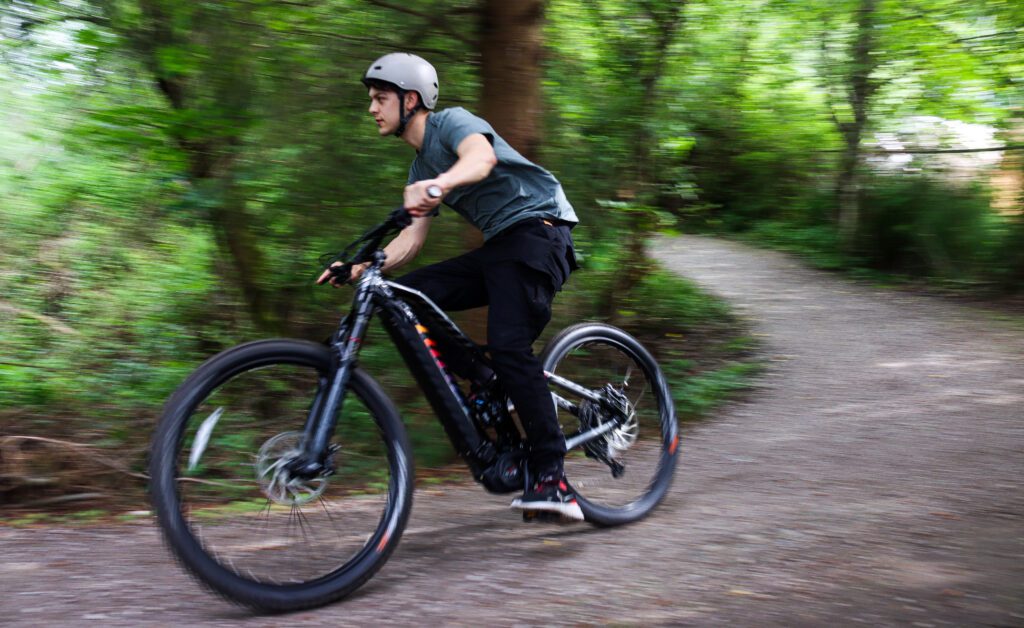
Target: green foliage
[1009,270]
[662,301]
[698,393]
[169,172]
[817,243]
[913,224]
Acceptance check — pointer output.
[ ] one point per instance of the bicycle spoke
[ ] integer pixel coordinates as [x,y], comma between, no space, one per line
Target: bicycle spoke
[300,518]
[614,468]
[635,404]
[323,504]
[242,502]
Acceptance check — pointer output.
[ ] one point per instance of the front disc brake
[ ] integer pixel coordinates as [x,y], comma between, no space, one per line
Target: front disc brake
[276,481]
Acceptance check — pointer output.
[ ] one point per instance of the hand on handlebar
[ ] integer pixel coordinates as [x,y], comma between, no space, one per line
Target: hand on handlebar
[423,197]
[340,272]
[337,277]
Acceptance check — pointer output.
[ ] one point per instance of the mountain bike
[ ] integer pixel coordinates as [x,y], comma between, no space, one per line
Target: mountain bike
[282,473]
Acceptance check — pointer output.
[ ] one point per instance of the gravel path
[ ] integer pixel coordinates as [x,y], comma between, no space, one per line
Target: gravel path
[874,477]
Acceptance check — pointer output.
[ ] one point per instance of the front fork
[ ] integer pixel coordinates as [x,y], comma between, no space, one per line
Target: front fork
[330,392]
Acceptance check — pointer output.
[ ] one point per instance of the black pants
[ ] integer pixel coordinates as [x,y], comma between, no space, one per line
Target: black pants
[516,273]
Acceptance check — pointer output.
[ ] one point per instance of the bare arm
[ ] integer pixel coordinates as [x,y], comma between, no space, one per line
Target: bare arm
[406,246]
[476,160]
[399,251]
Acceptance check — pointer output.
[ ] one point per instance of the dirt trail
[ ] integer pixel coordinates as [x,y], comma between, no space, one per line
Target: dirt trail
[874,477]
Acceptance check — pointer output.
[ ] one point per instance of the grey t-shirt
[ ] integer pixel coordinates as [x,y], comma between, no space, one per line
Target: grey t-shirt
[515,190]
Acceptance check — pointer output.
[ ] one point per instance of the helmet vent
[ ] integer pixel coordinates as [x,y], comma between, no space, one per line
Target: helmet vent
[378,67]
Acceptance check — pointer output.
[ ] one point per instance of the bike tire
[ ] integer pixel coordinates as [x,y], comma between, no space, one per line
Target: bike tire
[595,355]
[208,523]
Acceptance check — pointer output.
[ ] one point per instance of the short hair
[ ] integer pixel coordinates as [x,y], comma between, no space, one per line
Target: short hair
[388,86]
[381,85]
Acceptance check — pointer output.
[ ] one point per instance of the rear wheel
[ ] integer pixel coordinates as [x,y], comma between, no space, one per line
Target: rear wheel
[621,475]
[234,514]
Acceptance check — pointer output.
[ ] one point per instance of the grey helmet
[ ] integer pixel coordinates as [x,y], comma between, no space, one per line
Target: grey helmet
[407,72]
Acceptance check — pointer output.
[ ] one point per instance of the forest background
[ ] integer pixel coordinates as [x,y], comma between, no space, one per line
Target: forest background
[171,171]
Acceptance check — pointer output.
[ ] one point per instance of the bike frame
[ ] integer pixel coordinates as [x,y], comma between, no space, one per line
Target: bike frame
[377,296]
[391,301]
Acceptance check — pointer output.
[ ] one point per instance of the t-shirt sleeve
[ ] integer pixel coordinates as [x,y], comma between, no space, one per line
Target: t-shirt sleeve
[459,125]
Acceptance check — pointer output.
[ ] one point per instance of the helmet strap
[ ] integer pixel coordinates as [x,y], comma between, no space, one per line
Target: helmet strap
[403,115]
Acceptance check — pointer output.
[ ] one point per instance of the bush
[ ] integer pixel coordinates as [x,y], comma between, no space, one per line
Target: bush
[1008,267]
[915,224]
[818,243]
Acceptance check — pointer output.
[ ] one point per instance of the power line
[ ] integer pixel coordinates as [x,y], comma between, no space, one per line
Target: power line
[927,151]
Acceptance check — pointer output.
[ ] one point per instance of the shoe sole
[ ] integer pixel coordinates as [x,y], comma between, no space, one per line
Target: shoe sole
[570,512]
[546,516]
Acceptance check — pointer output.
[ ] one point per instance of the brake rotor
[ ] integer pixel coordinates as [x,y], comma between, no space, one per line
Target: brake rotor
[276,481]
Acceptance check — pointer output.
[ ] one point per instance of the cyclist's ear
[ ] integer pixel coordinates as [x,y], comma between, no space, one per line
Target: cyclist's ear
[412,101]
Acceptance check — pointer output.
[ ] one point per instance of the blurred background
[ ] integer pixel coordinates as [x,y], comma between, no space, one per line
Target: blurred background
[171,171]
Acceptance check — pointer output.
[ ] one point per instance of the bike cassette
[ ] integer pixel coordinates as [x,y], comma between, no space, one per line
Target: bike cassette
[607,447]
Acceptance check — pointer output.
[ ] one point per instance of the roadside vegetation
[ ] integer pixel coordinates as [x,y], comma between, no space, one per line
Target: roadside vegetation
[170,173]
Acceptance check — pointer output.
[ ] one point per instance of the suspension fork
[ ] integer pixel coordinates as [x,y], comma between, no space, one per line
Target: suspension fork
[327,403]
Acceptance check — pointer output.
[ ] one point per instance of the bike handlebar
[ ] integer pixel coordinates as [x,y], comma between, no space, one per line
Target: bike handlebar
[398,219]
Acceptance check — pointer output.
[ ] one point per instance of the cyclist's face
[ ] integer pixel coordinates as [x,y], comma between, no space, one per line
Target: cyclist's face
[384,109]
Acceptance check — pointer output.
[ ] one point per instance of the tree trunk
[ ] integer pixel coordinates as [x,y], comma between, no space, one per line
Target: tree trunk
[859,91]
[510,100]
[848,191]
[510,53]
[635,264]
[236,240]
[210,162]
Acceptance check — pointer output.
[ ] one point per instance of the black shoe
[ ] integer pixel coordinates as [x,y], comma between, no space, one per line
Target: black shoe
[549,496]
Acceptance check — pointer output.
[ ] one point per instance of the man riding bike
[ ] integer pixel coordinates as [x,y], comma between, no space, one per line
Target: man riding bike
[526,257]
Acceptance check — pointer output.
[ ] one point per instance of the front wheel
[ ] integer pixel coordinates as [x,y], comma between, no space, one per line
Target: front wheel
[603,379]
[227,504]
